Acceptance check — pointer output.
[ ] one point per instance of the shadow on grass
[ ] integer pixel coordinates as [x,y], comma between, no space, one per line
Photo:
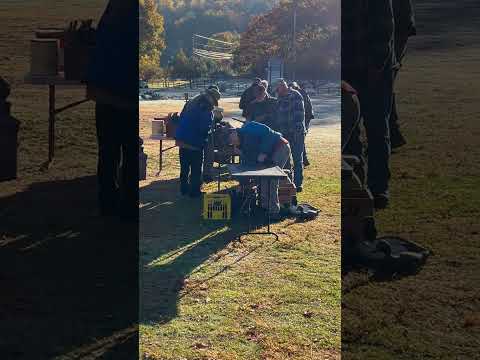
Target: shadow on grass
[175,243]
[69,279]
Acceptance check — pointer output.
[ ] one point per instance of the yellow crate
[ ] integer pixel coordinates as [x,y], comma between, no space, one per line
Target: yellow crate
[217,207]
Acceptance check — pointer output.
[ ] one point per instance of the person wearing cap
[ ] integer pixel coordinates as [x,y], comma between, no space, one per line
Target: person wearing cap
[259,144]
[248,96]
[208,151]
[290,120]
[309,115]
[263,108]
[199,96]
[191,137]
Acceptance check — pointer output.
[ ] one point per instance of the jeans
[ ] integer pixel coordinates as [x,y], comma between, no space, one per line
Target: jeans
[279,158]
[117,137]
[190,170]
[297,145]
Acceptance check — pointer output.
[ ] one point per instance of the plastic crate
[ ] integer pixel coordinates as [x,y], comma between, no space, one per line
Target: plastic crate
[217,207]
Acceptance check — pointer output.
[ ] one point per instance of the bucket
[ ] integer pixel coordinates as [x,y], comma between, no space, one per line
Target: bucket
[158,127]
[57,34]
[44,57]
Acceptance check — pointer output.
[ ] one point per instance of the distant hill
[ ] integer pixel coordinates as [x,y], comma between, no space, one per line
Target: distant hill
[183,18]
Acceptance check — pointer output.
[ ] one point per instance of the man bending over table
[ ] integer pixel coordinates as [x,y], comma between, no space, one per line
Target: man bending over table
[260,145]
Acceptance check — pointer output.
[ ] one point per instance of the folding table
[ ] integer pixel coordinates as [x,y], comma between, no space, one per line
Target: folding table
[258,172]
[52,82]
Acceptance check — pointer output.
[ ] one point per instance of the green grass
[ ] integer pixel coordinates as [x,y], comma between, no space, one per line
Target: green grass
[435,202]
[207,296]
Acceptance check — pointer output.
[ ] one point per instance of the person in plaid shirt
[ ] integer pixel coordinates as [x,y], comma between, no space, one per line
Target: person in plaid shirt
[290,122]
[368,59]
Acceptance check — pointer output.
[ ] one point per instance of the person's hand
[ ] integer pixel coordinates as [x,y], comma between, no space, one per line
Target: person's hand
[261,157]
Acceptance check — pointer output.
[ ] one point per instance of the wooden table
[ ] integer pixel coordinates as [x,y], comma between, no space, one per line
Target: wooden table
[161,138]
[52,82]
[258,172]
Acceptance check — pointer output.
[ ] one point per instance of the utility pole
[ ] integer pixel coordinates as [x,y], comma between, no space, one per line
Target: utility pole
[294,39]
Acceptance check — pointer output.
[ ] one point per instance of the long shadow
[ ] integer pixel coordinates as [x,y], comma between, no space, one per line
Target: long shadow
[69,279]
[174,243]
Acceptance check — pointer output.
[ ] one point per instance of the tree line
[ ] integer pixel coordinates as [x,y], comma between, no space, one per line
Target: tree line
[258,28]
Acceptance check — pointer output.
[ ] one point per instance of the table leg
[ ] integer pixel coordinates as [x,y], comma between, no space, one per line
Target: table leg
[160,158]
[51,127]
[268,204]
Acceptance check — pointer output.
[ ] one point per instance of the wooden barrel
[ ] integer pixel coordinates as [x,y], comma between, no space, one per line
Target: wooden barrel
[44,57]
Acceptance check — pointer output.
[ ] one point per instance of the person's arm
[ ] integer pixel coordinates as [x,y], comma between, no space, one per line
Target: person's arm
[299,113]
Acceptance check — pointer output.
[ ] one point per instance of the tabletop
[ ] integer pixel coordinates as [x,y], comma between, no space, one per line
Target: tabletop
[252,171]
[58,80]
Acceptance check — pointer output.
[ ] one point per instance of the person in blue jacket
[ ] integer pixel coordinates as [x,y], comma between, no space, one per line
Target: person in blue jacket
[191,137]
[260,145]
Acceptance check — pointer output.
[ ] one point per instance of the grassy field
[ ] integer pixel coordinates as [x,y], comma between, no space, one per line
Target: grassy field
[60,287]
[435,202]
[206,296]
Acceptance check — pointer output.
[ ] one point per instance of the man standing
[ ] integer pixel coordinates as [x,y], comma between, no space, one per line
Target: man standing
[191,137]
[404,28]
[248,96]
[263,109]
[291,124]
[261,145]
[368,58]
[309,116]
[113,84]
[208,152]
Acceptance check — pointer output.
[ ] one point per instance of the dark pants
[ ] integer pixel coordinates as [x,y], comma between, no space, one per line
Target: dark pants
[305,159]
[376,105]
[190,170]
[395,134]
[117,137]
[297,145]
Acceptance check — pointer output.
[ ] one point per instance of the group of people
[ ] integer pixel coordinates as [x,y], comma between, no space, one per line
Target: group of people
[374,39]
[273,134]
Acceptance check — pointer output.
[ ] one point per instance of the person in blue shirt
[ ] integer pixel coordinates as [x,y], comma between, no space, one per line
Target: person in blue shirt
[260,145]
[191,137]
[113,84]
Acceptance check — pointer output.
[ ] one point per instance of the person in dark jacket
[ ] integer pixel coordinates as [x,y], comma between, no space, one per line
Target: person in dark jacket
[208,151]
[191,137]
[260,145]
[290,120]
[368,60]
[309,116]
[112,84]
[248,96]
[263,108]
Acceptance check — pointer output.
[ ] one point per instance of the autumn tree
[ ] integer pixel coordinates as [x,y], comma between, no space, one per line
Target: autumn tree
[271,34]
[151,42]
